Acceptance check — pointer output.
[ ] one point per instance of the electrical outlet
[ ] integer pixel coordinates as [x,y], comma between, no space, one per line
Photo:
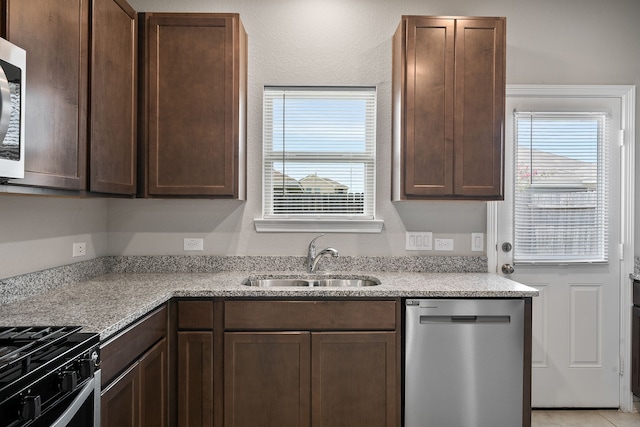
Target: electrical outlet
[477,242]
[79,249]
[418,241]
[193,244]
[444,245]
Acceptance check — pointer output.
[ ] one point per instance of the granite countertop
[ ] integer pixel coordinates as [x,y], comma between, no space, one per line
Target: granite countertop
[108,303]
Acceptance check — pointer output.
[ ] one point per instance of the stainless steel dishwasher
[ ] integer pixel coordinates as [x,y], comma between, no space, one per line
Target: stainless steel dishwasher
[464,363]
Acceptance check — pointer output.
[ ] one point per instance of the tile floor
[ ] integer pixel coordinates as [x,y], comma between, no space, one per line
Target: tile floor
[581,418]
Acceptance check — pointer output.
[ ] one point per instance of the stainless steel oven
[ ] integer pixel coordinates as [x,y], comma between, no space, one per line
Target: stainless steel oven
[81,408]
[49,376]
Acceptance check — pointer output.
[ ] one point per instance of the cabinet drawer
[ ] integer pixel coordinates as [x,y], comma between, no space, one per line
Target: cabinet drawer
[310,315]
[636,293]
[119,352]
[195,314]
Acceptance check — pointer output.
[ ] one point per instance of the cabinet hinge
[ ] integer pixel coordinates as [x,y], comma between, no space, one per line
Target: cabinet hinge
[621,248]
[621,366]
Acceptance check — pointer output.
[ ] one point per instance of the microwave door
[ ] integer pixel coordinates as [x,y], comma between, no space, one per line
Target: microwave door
[5,104]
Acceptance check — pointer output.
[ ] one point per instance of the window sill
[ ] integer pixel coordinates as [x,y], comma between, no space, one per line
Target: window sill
[317,225]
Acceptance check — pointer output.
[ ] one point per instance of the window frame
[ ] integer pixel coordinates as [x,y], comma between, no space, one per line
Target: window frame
[545,191]
[319,222]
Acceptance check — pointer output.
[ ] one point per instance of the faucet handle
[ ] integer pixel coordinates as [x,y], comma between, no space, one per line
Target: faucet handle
[312,244]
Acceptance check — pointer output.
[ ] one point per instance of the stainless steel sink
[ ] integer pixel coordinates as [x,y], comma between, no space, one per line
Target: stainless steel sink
[269,283]
[346,283]
[329,282]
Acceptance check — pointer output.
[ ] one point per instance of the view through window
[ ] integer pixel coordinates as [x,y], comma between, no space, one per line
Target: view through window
[560,209]
[319,152]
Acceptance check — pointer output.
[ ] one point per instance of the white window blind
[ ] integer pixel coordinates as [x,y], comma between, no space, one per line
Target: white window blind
[319,152]
[561,187]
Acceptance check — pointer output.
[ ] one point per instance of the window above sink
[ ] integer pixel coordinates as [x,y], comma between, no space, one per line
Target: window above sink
[319,159]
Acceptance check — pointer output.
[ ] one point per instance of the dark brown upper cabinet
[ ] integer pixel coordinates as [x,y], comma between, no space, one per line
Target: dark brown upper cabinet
[55,35]
[80,108]
[113,113]
[193,136]
[448,89]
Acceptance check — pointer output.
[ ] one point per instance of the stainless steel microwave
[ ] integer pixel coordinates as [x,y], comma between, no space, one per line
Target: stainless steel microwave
[13,64]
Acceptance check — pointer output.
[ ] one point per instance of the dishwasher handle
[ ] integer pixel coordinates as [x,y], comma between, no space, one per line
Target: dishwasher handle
[462,319]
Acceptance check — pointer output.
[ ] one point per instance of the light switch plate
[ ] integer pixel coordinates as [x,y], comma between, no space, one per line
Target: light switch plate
[477,242]
[419,241]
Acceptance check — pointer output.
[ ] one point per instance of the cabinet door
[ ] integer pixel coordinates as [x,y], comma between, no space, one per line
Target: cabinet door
[153,386]
[428,133]
[354,377]
[479,107]
[120,401]
[195,110]
[195,379]
[635,351]
[113,132]
[267,379]
[448,108]
[55,35]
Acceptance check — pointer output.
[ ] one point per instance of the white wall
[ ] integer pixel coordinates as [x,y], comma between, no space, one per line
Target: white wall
[339,42]
[38,232]
[344,42]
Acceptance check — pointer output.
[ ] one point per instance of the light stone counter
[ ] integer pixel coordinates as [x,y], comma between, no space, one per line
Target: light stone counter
[108,303]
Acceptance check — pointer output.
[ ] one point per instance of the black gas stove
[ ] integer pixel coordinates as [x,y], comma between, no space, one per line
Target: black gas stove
[49,376]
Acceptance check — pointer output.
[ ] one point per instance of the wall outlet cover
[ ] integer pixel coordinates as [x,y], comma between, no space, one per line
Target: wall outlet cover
[79,249]
[444,245]
[193,244]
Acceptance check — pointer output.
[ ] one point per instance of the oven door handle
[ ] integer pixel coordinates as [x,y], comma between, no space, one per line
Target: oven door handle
[77,403]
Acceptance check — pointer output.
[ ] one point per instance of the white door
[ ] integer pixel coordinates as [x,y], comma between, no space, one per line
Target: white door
[576,318]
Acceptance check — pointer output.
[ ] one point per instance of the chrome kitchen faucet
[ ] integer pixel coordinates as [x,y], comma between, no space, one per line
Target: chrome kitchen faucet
[313,258]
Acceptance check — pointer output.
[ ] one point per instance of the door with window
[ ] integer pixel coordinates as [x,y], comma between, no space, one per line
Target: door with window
[558,230]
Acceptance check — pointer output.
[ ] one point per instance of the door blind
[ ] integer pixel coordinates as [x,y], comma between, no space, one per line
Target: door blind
[319,152]
[560,187]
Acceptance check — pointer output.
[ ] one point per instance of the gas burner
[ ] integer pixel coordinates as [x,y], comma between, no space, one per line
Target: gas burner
[19,345]
[8,352]
[43,369]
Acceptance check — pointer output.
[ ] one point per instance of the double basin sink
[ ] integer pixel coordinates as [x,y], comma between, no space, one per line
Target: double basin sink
[312,282]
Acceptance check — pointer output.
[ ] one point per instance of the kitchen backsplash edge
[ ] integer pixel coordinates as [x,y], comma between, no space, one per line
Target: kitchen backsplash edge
[17,288]
[26,285]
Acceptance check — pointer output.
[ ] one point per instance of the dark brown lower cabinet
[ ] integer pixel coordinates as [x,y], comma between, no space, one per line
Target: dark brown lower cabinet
[120,401]
[267,379]
[354,379]
[287,363]
[317,379]
[635,352]
[153,386]
[195,378]
[635,340]
[138,396]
